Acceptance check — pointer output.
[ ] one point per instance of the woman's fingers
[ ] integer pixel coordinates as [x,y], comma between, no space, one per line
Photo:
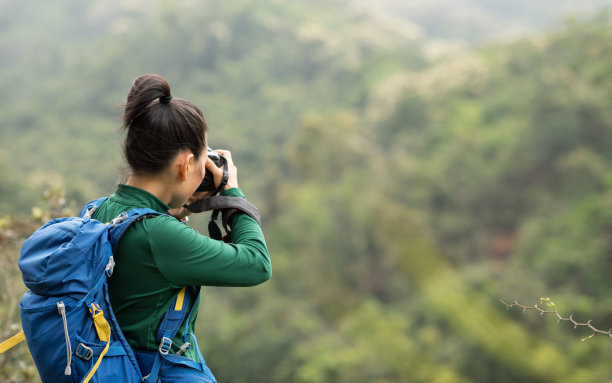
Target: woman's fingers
[216,171]
[225,153]
[232,181]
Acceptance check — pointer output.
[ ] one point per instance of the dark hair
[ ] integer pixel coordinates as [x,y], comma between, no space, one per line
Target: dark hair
[159,126]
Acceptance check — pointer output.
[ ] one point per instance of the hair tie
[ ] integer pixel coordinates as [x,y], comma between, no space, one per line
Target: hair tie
[165,99]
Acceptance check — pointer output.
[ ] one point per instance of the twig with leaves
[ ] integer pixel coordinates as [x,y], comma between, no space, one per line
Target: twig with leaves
[553,310]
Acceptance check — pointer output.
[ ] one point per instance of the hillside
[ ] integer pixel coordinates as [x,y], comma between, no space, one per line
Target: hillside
[482,21]
[402,196]
[253,68]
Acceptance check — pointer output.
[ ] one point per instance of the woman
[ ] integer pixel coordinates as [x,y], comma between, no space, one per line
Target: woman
[165,148]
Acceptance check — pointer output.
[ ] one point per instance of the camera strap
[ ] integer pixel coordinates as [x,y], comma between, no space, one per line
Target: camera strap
[225,176]
[228,206]
[224,203]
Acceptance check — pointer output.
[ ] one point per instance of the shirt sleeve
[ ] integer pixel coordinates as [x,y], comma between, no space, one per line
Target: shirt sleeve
[186,257]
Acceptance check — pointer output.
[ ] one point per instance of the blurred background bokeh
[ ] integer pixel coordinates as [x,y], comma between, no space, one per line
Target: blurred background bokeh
[414,163]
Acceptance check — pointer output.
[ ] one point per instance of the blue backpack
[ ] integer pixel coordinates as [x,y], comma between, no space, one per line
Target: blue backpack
[66,315]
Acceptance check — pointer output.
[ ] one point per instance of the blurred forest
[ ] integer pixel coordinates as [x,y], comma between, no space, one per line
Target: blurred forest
[403,193]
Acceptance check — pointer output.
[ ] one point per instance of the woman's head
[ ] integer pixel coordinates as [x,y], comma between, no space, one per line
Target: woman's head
[159,127]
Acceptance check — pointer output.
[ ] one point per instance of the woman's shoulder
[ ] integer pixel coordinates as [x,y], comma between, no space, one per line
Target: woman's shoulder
[150,231]
[164,225]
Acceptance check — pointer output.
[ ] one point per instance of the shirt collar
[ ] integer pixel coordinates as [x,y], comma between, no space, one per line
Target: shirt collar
[136,197]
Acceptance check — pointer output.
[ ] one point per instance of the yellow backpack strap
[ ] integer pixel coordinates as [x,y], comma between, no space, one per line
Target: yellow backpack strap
[104,332]
[179,300]
[12,342]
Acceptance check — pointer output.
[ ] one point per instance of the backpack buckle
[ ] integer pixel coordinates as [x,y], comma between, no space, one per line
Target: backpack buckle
[110,266]
[164,346]
[120,218]
[183,348]
[90,212]
[86,354]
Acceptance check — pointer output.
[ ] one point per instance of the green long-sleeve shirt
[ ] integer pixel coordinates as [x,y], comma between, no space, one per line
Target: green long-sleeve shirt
[157,256]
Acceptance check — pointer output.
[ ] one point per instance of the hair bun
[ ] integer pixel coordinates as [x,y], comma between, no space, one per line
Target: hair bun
[156,133]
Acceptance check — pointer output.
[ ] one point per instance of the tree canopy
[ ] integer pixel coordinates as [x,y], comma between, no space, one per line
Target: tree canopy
[402,195]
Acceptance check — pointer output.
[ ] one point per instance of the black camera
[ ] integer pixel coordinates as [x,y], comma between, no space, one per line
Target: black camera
[208,183]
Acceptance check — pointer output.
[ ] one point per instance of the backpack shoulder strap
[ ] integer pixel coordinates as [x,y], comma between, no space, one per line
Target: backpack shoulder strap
[123,221]
[90,207]
[169,327]
[174,317]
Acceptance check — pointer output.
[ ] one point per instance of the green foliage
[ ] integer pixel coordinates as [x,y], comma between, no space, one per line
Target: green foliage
[16,364]
[401,197]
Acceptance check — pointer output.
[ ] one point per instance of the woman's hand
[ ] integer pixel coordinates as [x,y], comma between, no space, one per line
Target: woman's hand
[232,181]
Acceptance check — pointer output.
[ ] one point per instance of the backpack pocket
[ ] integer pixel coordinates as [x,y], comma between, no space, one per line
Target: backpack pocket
[114,366]
[66,346]
[175,368]
[48,331]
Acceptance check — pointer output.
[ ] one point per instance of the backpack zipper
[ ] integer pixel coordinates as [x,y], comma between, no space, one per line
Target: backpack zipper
[61,308]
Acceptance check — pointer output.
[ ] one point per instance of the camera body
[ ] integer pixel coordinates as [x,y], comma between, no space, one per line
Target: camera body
[208,183]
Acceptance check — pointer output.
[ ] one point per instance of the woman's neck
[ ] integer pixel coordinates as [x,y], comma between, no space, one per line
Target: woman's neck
[153,184]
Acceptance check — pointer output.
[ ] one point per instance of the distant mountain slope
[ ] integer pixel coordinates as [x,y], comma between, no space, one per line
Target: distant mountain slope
[483,20]
[254,68]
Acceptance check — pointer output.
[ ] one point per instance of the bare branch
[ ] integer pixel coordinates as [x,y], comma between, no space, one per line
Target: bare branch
[553,310]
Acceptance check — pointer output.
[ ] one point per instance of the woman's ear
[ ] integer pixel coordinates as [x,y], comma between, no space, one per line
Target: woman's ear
[183,163]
